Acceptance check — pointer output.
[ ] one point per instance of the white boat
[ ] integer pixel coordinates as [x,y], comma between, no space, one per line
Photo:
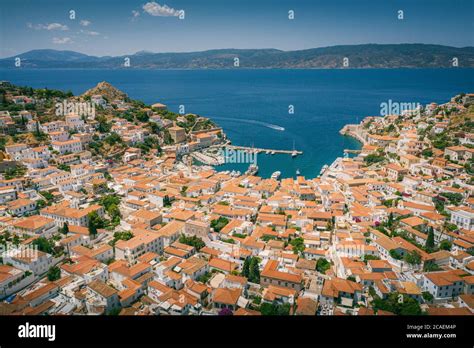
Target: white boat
[267,152]
[273,152]
[253,169]
[276,175]
[294,153]
[298,172]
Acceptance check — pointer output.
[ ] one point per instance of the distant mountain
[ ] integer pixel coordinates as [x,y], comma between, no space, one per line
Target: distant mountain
[38,58]
[359,56]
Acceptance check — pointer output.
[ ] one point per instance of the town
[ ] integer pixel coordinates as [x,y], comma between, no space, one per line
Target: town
[108,212]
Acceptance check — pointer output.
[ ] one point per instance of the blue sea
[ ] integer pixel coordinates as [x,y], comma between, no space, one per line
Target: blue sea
[253,105]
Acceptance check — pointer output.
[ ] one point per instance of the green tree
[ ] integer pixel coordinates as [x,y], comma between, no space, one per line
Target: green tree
[322,265]
[453,198]
[246,267]
[96,220]
[398,304]
[16,240]
[64,167]
[254,271]
[92,228]
[54,273]
[395,254]
[430,244]
[219,224]
[47,195]
[430,266]
[445,245]
[367,257]
[373,158]
[298,245]
[103,126]
[275,308]
[194,241]
[412,258]
[124,235]
[65,228]
[166,201]
[427,296]
[43,245]
[390,220]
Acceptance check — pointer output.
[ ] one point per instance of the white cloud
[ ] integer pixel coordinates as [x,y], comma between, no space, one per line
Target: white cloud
[155,9]
[135,13]
[85,22]
[48,26]
[62,40]
[89,32]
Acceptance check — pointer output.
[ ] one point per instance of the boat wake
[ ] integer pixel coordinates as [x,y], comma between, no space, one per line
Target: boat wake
[264,124]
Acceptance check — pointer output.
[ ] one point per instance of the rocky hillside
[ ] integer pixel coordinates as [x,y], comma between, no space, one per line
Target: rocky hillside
[107,91]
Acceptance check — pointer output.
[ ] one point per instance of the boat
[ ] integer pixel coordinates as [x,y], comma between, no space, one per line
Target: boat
[298,172]
[253,169]
[294,153]
[273,152]
[276,175]
[267,152]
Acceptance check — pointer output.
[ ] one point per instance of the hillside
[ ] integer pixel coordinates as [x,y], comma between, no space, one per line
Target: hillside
[360,56]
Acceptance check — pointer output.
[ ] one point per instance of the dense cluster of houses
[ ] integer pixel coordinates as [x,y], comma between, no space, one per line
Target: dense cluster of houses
[195,241]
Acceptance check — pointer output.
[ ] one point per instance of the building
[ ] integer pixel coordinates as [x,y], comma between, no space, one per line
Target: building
[21,206]
[196,228]
[271,275]
[177,133]
[226,298]
[13,279]
[35,226]
[34,261]
[463,217]
[101,298]
[144,241]
[67,146]
[62,213]
[342,291]
[443,284]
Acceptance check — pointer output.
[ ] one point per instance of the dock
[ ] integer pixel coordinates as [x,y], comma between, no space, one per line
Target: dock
[352,151]
[258,150]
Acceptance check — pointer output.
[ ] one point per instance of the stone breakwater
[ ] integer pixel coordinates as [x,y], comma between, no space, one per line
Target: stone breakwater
[354,131]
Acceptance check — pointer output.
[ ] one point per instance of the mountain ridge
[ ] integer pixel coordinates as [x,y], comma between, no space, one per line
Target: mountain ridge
[359,56]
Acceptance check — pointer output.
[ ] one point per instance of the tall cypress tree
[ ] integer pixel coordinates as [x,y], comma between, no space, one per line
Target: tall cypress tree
[430,239]
[65,229]
[246,267]
[254,275]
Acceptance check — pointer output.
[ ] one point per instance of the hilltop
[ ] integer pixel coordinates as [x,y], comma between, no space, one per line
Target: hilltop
[106,90]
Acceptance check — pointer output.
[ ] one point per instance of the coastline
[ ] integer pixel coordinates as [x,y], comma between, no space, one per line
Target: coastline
[353,131]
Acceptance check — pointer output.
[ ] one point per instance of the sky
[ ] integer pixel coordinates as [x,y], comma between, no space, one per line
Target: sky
[120,27]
